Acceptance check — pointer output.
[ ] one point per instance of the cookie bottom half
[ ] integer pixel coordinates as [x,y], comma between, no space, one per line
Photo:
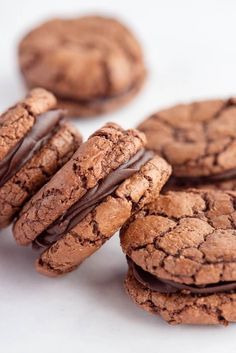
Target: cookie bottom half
[180,308]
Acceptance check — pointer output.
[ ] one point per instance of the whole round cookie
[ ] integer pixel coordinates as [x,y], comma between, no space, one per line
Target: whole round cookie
[34,143]
[92,64]
[197,139]
[181,251]
[109,178]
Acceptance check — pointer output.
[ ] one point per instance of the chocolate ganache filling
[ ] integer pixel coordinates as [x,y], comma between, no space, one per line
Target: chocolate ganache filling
[91,199]
[167,287]
[40,132]
[191,181]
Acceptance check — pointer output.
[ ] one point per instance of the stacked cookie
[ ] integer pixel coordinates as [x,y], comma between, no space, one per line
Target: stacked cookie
[181,248]
[67,198]
[181,256]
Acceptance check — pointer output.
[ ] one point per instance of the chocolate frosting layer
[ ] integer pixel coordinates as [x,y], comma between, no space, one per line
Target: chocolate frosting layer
[91,199]
[167,287]
[26,147]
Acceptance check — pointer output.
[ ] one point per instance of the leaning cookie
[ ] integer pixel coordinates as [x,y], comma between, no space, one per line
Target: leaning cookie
[197,139]
[181,251]
[92,64]
[110,177]
[34,143]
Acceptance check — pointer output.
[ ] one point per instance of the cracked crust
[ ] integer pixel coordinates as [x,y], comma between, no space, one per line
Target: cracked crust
[211,309]
[14,125]
[187,237]
[197,139]
[105,220]
[93,64]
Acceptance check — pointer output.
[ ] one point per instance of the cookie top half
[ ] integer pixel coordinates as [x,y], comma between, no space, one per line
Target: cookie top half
[109,177]
[186,237]
[197,139]
[85,59]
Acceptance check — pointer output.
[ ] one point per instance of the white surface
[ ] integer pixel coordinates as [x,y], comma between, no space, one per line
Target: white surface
[191,53]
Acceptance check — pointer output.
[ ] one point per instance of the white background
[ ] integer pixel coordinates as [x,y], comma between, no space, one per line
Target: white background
[191,53]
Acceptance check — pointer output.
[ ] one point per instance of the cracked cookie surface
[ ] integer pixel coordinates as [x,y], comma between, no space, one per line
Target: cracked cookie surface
[15,125]
[92,64]
[197,139]
[104,152]
[187,237]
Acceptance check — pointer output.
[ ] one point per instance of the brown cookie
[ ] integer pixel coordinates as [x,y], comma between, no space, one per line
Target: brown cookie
[92,64]
[181,251]
[197,139]
[34,143]
[109,178]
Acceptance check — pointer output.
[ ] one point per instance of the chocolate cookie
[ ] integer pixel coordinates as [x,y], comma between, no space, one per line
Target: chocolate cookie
[197,139]
[34,143]
[92,64]
[109,178]
[181,252]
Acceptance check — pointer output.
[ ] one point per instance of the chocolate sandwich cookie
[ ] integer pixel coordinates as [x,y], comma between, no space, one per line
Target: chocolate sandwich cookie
[34,143]
[92,64]
[197,139]
[110,177]
[181,251]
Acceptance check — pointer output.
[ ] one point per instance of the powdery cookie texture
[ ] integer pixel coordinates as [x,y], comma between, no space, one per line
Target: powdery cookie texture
[110,177]
[92,64]
[181,251]
[34,144]
[197,139]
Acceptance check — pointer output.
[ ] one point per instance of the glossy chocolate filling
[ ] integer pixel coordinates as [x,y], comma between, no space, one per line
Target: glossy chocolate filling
[40,132]
[191,181]
[167,287]
[91,199]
